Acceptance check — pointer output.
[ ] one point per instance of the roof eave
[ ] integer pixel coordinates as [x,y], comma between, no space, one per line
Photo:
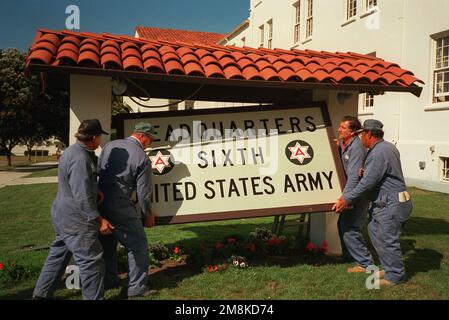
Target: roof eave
[171,78]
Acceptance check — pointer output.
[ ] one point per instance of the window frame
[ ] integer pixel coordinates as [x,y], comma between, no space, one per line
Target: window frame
[368,101]
[297,23]
[444,172]
[309,19]
[270,33]
[370,5]
[442,69]
[351,9]
[261,36]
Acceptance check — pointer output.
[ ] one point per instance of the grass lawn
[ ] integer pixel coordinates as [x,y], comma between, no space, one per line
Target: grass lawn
[25,223]
[44,173]
[19,161]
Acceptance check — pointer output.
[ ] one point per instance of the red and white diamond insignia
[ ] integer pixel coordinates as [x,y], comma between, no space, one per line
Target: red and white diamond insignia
[160,161]
[299,152]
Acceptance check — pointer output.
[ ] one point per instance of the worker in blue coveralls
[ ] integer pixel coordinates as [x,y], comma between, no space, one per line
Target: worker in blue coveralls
[383,182]
[350,222]
[125,168]
[76,219]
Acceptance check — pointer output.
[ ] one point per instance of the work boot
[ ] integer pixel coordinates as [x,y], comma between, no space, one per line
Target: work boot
[356,269]
[385,283]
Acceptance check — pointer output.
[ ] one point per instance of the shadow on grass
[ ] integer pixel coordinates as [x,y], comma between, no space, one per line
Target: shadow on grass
[419,225]
[419,260]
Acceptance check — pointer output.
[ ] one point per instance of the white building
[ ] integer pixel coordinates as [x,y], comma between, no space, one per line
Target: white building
[412,33]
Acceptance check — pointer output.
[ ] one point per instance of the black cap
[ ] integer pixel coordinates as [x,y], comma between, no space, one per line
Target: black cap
[91,127]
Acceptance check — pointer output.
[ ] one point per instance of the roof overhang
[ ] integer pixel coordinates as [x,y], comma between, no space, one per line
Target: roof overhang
[209,89]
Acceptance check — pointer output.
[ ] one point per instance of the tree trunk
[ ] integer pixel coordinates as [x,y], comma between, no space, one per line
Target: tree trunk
[29,148]
[8,156]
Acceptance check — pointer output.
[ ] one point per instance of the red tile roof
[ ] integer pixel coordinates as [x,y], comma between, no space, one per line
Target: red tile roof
[185,36]
[105,51]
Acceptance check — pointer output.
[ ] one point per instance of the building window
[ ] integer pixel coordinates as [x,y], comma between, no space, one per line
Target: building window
[243,41]
[368,100]
[445,169]
[441,72]
[297,29]
[261,34]
[270,33]
[351,8]
[309,21]
[370,4]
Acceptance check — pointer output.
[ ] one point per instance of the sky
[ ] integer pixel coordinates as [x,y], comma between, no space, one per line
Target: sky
[20,19]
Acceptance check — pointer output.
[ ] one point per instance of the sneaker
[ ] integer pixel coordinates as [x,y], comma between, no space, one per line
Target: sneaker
[147,293]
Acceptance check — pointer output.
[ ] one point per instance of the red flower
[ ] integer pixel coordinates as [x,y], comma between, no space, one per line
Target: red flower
[213,268]
[219,246]
[324,247]
[310,247]
[2,266]
[176,250]
[231,240]
[274,241]
[251,247]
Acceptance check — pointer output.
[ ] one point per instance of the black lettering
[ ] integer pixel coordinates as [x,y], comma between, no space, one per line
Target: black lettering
[279,125]
[206,185]
[233,188]
[288,184]
[312,126]
[220,181]
[214,163]
[245,191]
[190,195]
[267,181]
[168,132]
[242,155]
[227,157]
[255,155]
[233,126]
[328,178]
[255,185]
[249,124]
[177,195]
[202,166]
[294,124]
[301,181]
[315,183]
[264,121]
[165,186]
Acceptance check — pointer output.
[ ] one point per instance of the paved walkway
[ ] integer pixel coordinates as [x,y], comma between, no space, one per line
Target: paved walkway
[11,178]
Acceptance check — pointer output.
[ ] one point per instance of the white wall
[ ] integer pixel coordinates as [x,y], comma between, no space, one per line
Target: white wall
[397,31]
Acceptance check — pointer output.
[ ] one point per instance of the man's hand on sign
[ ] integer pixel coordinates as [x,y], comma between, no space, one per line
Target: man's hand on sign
[150,221]
[340,206]
[105,226]
[100,197]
